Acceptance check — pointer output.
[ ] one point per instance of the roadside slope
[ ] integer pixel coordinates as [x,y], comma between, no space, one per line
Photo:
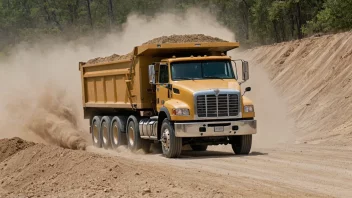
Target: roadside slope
[314,76]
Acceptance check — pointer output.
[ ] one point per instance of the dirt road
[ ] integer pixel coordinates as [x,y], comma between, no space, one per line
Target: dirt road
[295,171]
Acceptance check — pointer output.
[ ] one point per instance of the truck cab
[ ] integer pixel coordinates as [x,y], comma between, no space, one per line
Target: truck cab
[200,98]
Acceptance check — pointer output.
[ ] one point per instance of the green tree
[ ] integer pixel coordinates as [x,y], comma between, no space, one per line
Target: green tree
[336,15]
[254,22]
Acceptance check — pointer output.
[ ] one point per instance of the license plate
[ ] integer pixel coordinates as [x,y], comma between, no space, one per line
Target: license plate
[219,129]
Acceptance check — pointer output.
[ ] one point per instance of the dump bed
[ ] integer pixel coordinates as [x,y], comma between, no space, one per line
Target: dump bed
[124,84]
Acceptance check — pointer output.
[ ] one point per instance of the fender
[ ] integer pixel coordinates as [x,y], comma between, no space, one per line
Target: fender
[164,109]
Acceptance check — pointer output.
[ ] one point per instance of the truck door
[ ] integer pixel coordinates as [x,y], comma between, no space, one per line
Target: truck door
[162,90]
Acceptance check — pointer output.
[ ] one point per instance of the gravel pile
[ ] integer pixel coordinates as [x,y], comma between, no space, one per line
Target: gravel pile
[160,40]
[184,39]
[114,57]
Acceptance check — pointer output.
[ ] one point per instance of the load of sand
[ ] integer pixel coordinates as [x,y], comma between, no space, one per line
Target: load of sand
[201,38]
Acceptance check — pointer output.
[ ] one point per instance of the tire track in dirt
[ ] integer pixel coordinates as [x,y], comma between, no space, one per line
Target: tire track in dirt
[297,168]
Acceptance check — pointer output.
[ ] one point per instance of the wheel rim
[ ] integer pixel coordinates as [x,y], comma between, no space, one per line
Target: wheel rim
[131,135]
[166,139]
[105,133]
[95,132]
[115,133]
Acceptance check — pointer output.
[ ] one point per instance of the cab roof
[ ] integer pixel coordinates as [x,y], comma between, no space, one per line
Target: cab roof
[195,58]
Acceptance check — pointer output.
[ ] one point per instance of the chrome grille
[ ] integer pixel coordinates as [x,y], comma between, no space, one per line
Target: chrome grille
[223,105]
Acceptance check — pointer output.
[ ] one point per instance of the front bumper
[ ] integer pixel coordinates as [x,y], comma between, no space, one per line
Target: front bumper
[207,129]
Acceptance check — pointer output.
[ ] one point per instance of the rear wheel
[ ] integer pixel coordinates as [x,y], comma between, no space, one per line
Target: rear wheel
[199,147]
[105,132]
[171,145]
[134,140]
[117,132]
[241,145]
[95,131]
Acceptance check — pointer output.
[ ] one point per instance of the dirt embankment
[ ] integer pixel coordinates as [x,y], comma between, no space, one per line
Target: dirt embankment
[314,76]
[9,147]
[159,40]
[29,170]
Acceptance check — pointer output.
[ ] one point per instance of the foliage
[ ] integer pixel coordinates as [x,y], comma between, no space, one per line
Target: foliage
[254,22]
[336,15]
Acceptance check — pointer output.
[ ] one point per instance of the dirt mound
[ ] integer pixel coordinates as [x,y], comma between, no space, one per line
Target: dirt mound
[159,40]
[184,39]
[9,147]
[45,170]
[314,76]
[114,57]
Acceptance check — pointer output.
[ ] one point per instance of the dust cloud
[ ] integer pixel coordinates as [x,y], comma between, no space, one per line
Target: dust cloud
[274,124]
[40,83]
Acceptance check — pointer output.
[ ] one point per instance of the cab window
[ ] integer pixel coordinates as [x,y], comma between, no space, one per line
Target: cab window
[164,74]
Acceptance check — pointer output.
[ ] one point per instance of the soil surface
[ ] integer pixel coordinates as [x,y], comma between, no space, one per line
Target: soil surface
[298,171]
[159,40]
[9,147]
[314,77]
[184,39]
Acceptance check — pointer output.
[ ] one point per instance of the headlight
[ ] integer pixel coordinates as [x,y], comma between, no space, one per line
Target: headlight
[248,108]
[180,112]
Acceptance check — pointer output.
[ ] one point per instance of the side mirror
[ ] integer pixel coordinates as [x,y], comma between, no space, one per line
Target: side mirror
[151,74]
[245,71]
[248,89]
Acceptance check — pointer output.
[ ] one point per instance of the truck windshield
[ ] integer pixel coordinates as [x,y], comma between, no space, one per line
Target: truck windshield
[196,70]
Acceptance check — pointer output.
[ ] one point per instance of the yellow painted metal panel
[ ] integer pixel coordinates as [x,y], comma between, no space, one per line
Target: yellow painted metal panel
[90,90]
[111,72]
[110,89]
[100,89]
[120,89]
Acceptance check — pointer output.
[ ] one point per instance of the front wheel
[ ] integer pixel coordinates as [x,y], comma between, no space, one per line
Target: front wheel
[241,145]
[171,145]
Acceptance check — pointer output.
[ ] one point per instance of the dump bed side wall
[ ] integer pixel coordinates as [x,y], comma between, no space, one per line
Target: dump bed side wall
[105,86]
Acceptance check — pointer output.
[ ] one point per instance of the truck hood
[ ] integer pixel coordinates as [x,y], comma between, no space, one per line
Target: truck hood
[200,85]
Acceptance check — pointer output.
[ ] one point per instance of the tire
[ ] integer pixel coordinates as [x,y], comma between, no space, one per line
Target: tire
[171,145]
[95,131]
[105,132]
[134,140]
[117,132]
[241,145]
[199,147]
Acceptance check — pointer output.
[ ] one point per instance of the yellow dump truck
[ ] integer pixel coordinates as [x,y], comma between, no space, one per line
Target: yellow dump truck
[173,94]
